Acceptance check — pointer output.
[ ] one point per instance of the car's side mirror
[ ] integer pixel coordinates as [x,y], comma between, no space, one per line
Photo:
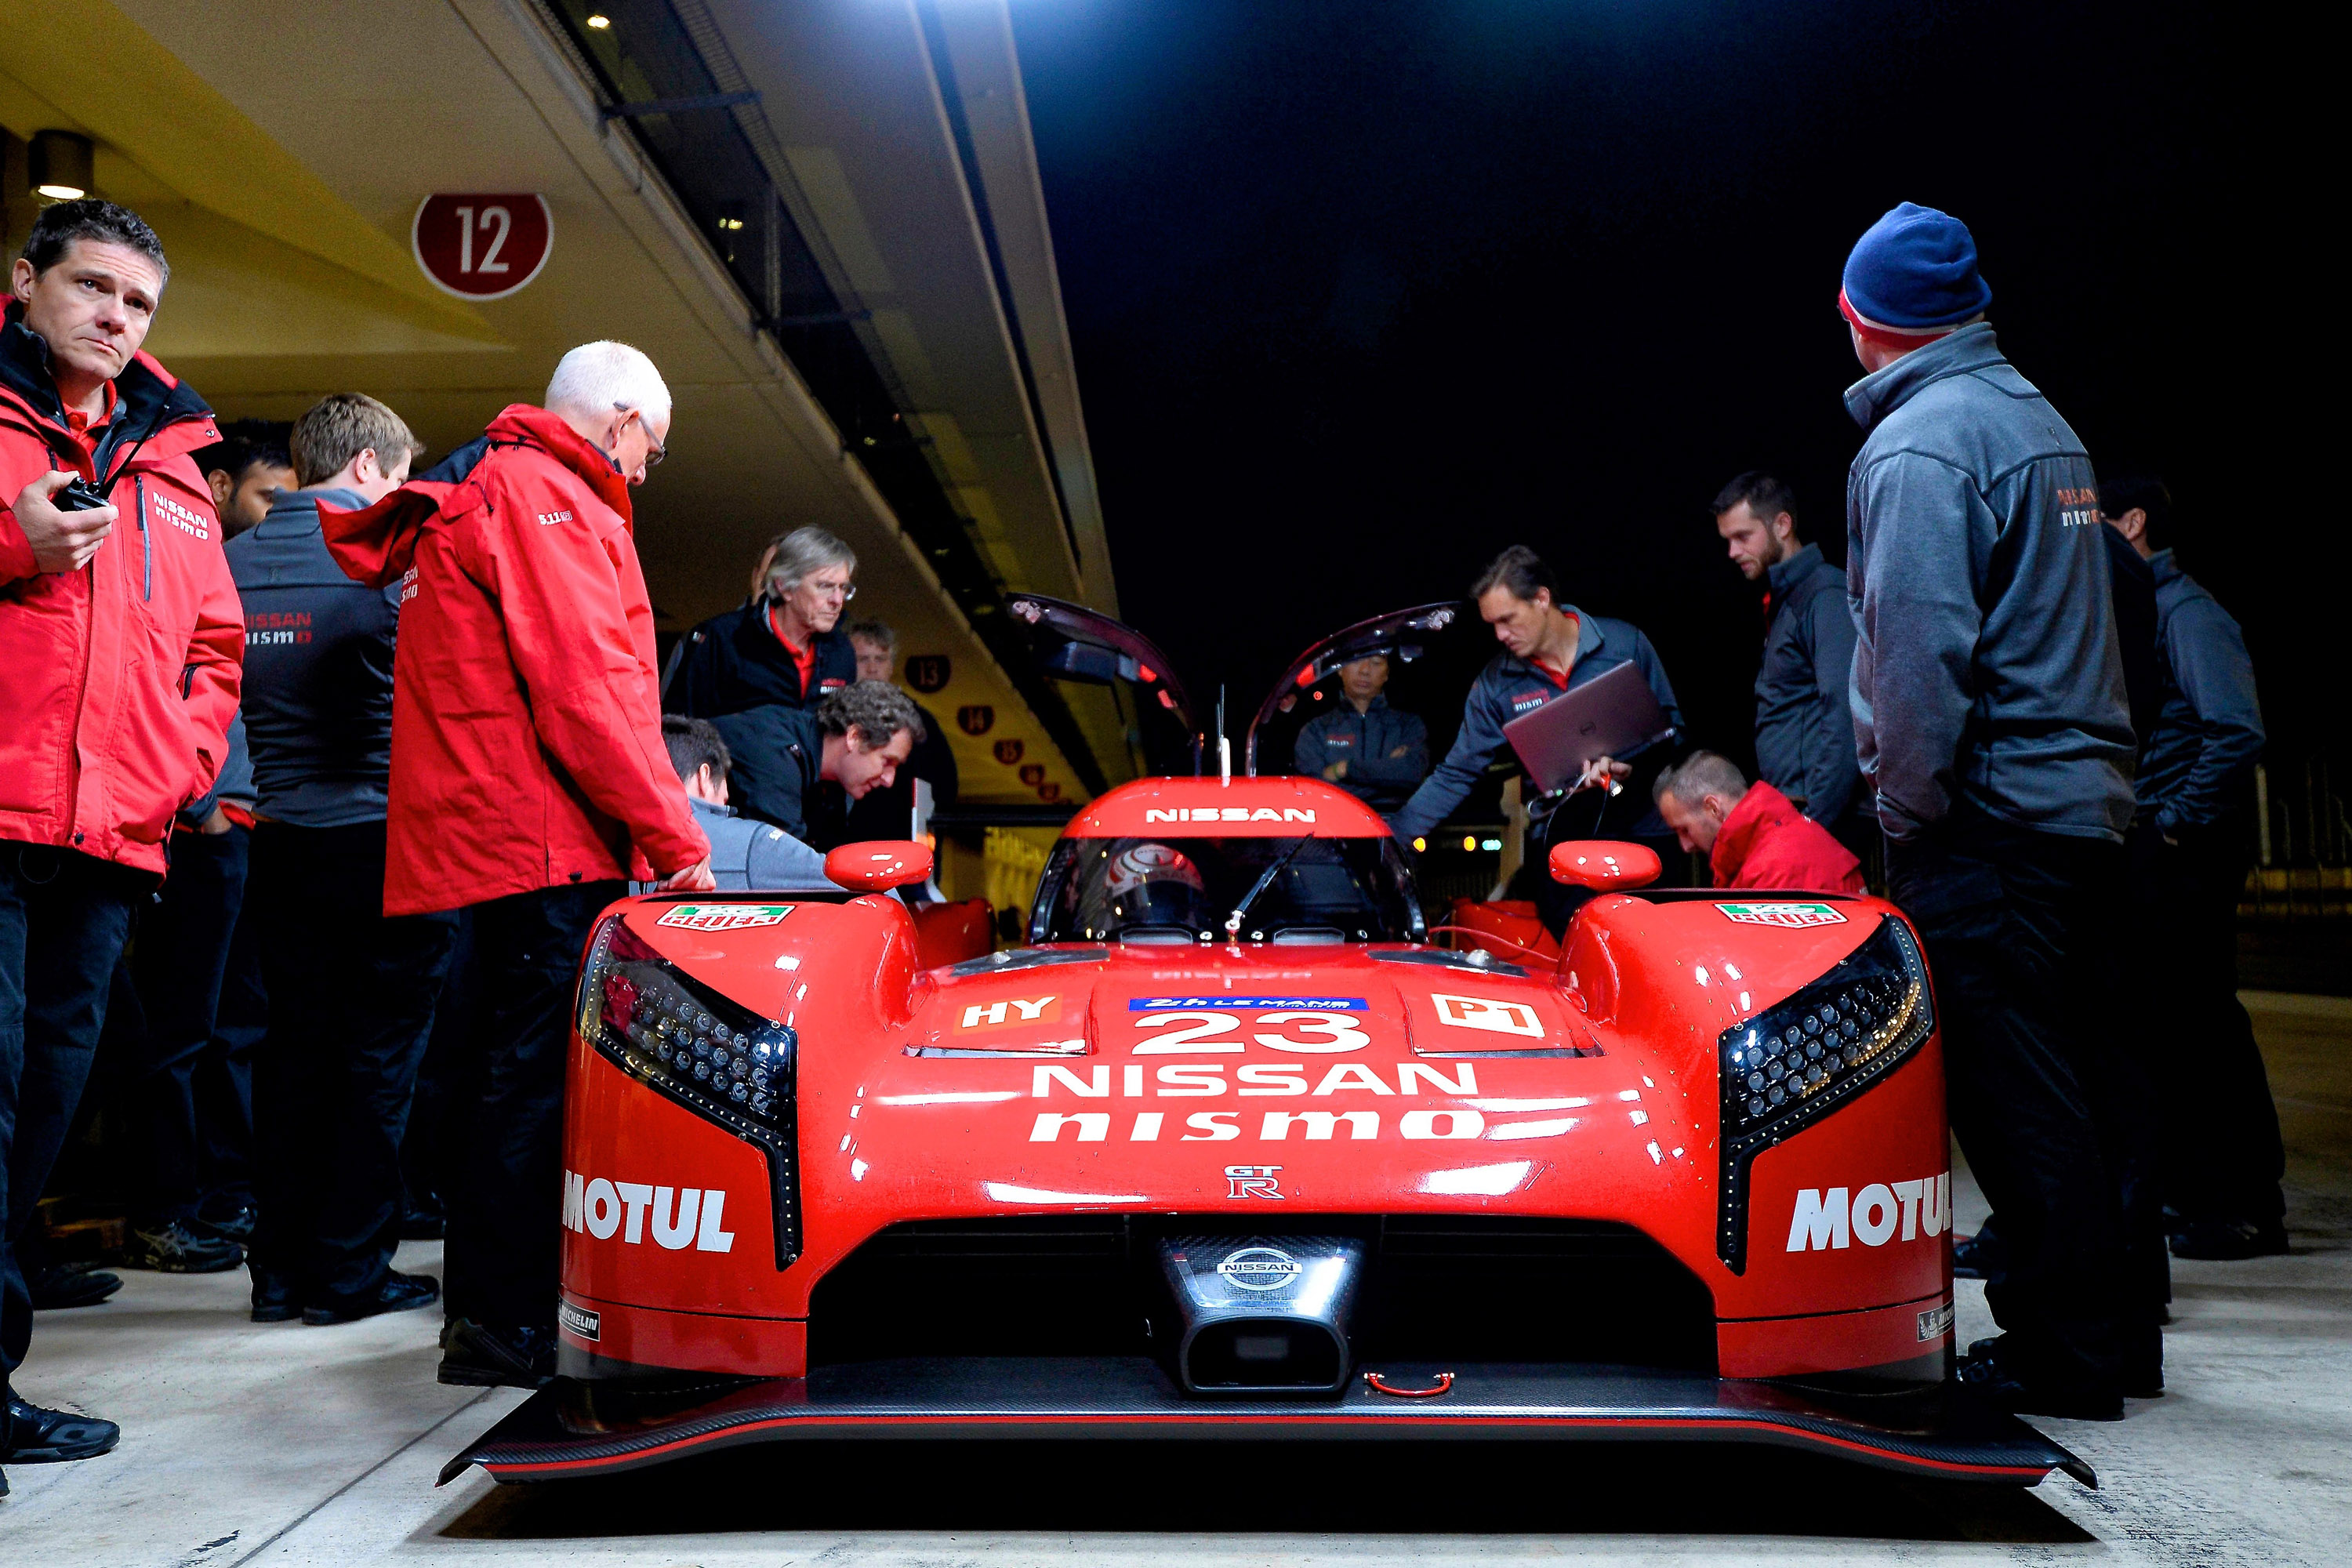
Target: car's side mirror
[1601,864]
[878,865]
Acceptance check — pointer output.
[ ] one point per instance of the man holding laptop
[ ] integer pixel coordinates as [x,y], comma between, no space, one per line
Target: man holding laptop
[1550,650]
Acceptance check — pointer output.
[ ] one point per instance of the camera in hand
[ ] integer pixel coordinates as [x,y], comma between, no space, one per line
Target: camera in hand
[78,496]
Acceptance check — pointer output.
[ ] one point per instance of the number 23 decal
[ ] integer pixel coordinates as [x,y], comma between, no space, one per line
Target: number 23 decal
[1327,1033]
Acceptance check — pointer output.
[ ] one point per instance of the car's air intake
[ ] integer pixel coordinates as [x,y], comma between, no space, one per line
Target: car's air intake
[1263,1314]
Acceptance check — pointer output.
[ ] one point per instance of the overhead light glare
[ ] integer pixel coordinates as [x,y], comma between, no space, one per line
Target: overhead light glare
[62,165]
[599,22]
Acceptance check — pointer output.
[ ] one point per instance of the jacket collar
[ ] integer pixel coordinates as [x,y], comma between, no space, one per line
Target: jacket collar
[2165,567]
[1760,808]
[149,399]
[1783,574]
[702,807]
[522,425]
[294,513]
[1882,392]
[1380,701]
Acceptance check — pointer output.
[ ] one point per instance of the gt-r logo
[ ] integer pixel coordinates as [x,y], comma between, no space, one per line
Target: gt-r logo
[1011,1011]
[1252,1182]
[1791,915]
[724,917]
[682,1216]
[1823,1221]
[1485,1013]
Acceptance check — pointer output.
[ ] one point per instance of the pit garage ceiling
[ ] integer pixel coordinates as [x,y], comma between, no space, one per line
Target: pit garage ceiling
[282,147]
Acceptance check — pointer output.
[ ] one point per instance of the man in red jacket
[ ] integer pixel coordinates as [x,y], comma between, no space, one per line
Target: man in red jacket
[120,640]
[529,782]
[1751,835]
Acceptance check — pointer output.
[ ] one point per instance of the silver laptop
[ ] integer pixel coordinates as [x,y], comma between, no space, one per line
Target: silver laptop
[1611,714]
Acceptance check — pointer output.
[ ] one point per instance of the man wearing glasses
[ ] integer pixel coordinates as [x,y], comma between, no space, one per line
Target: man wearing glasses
[529,784]
[783,646]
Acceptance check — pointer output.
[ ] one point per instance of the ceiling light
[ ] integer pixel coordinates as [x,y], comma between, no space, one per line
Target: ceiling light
[60,164]
[599,23]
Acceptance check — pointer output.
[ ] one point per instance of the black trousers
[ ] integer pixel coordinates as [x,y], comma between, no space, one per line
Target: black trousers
[2010,920]
[503,1228]
[2223,1158]
[351,997]
[186,1093]
[64,919]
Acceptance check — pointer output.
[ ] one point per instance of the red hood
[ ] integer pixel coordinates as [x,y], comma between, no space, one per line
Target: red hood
[1761,810]
[376,545]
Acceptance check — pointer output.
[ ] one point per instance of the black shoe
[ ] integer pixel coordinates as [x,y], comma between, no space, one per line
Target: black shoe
[178,1248]
[473,1356]
[2228,1240]
[422,1222]
[1990,1371]
[40,1436]
[1968,1257]
[275,1300]
[70,1285]
[229,1219]
[398,1293]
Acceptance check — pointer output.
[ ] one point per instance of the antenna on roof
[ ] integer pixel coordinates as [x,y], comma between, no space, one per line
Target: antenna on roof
[1224,745]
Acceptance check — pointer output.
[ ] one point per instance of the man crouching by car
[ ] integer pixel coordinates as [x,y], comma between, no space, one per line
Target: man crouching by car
[526,765]
[121,641]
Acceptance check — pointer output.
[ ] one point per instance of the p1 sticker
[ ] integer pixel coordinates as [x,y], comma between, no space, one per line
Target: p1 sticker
[724,917]
[1485,1013]
[1789,915]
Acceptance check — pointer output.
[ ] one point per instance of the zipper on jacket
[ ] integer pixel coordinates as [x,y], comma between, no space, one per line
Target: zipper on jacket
[146,544]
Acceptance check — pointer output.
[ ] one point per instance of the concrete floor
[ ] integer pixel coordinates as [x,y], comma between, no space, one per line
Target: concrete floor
[288,1444]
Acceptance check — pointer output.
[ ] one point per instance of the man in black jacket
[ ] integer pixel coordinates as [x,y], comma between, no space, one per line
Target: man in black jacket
[858,738]
[1804,729]
[782,645]
[2191,846]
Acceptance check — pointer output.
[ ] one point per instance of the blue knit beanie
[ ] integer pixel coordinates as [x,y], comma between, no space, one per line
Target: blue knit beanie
[1916,269]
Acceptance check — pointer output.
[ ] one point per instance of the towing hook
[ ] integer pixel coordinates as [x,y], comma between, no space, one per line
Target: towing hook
[1379,1384]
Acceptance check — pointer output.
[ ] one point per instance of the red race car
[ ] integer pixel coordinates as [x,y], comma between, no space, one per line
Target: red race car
[1232,1147]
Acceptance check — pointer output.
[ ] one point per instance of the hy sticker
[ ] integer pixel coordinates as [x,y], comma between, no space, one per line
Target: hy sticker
[1782,914]
[724,917]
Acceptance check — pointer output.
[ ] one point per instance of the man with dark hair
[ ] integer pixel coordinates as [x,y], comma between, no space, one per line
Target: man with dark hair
[121,647]
[1991,717]
[245,469]
[2191,845]
[1751,835]
[1548,649]
[1804,729]
[859,738]
[1377,753]
[351,989]
[744,854]
[889,813]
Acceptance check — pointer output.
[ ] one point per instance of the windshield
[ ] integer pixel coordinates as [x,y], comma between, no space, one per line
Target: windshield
[1181,889]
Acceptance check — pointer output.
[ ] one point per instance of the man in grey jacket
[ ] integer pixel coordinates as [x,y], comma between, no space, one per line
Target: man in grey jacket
[2191,849]
[1804,730]
[1991,716]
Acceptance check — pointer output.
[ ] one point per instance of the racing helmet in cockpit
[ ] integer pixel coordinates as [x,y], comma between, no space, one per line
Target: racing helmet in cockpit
[1148,884]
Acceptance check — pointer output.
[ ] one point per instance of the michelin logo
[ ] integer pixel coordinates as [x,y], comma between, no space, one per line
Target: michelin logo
[681,1217]
[1825,1221]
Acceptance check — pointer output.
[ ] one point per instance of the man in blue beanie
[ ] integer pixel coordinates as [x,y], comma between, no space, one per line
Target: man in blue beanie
[1992,722]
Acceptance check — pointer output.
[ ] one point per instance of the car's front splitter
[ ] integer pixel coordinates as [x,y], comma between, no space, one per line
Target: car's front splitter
[1942,1433]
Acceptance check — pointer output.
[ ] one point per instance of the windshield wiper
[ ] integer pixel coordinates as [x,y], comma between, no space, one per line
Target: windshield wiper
[1265,880]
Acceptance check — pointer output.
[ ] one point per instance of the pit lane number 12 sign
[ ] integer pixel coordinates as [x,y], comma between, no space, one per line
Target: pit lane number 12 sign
[482,246]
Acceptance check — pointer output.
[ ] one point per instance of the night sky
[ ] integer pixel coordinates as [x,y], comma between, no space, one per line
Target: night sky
[1361,293]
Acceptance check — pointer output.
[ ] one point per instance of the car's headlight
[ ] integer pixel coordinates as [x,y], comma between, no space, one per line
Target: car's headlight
[1802,1058]
[710,1054]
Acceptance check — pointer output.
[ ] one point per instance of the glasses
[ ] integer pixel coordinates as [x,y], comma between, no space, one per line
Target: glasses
[848,591]
[655,451]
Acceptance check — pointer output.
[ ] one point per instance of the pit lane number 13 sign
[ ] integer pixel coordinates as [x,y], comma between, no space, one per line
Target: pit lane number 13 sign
[482,246]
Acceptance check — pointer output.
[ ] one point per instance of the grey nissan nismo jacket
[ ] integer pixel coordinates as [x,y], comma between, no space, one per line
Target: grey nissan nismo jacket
[1986,669]
[1804,733]
[2197,765]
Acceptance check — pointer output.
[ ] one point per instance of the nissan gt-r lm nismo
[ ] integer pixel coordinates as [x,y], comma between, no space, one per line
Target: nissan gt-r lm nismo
[1231,1146]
